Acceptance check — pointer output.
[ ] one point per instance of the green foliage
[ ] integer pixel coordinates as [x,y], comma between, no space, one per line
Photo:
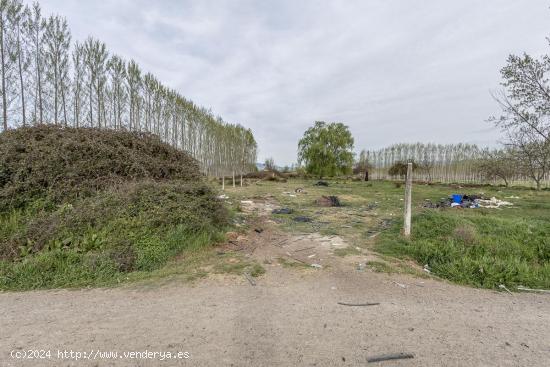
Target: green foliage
[400,168]
[85,207]
[326,149]
[477,249]
[63,163]
[97,240]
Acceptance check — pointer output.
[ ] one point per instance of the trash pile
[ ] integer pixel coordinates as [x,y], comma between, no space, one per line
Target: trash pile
[321,183]
[467,202]
[328,201]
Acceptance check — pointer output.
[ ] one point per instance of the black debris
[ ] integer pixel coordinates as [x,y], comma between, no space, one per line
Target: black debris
[358,304]
[302,219]
[321,183]
[282,211]
[389,357]
[328,201]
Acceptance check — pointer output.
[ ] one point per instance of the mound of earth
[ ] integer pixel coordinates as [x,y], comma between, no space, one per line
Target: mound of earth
[65,162]
[82,207]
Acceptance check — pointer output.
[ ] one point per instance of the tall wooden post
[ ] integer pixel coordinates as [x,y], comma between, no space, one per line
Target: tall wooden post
[408,202]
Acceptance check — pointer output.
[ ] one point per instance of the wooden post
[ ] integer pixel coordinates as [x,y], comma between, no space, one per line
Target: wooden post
[408,203]
[223,182]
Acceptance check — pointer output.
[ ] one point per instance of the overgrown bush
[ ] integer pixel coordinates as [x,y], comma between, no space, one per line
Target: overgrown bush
[83,206]
[64,163]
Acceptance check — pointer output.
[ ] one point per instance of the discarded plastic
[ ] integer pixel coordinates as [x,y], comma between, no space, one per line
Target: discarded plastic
[525,289]
[316,266]
[502,286]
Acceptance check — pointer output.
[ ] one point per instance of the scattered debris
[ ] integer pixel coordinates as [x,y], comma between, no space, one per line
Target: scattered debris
[250,279]
[371,206]
[302,219]
[400,285]
[389,357]
[502,286]
[282,211]
[258,230]
[512,197]
[427,269]
[299,190]
[321,183]
[247,202]
[493,203]
[525,289]
[328,201]
[467,202]
[223,197]
[361,266]
[317,266]
[358,304]
[311,256]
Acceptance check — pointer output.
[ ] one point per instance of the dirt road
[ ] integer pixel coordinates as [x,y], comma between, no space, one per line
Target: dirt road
[291,317]
[287,319]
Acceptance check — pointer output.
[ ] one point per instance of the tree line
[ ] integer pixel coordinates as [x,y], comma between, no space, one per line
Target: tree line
[524,155]
[451,163]
[48,79]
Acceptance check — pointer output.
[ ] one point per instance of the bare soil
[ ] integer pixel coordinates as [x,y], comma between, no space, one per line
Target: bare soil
[291,317]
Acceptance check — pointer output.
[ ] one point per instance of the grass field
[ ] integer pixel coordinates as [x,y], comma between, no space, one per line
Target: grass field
[478,247]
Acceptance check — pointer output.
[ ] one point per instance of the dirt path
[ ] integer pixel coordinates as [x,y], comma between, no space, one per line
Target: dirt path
[290,318]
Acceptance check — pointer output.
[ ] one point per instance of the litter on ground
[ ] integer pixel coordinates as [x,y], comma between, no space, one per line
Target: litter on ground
[467,202]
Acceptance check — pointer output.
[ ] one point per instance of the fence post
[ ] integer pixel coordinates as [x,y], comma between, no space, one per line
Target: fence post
[408,203]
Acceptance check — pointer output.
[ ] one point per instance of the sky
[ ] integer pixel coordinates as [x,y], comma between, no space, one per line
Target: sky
[392,70]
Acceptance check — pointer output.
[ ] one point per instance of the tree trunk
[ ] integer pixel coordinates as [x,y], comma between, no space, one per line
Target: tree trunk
[91,105]
[64,107]
[241,180]
[223,182]
[55,92]
[39,78]
[23,111]
[233,179]
[4,100]
[366,175]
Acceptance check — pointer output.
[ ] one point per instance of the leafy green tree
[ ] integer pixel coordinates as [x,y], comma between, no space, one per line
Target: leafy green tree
[326,149]
[400,169]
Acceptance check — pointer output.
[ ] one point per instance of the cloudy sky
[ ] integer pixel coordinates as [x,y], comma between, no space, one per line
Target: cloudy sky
[393,70]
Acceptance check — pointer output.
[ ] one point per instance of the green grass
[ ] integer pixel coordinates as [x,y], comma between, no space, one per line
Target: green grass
[478,247]
[112,237]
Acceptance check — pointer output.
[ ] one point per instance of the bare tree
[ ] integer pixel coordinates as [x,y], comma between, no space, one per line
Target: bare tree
[35,30]
[498,164]
[525,104]
[95,58]
[57,39]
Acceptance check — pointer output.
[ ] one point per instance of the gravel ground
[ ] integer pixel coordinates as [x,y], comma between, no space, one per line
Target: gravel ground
[290,318]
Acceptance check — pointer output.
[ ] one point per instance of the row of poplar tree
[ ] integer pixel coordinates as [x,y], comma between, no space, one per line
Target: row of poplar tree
[45,78]
[449,163]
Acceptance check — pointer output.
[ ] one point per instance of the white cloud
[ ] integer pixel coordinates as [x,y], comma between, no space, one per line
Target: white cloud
[392,70]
